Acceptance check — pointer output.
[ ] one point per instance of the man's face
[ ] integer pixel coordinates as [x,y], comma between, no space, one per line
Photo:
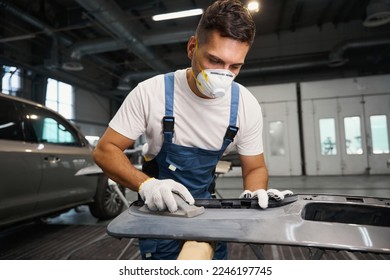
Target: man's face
[217,53]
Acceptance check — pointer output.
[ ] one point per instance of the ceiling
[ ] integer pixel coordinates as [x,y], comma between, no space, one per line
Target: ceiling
[108,46]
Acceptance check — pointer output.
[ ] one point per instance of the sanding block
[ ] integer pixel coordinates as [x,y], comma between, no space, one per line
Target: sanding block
[183,209]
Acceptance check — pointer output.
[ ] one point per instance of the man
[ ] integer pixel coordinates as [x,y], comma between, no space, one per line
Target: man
[191,118]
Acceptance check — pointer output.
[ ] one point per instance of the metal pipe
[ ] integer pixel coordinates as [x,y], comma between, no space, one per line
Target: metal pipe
[114,19]
[31,20]
[337,57]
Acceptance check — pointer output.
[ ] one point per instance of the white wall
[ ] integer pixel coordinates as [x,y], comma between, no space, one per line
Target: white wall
[346,87]
[92,112]
[279,104]
[274,93]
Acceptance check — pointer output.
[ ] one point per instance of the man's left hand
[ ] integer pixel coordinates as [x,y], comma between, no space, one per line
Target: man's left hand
[264,195]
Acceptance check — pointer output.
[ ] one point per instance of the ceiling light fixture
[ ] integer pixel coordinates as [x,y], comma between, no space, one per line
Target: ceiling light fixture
[72,66]
[378,13]
[181,14]
[253,6]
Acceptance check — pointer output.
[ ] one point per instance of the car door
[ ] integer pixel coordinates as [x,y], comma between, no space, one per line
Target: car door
[63,153]
[20,166]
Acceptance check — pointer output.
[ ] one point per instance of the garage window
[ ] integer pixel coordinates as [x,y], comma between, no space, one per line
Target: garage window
[60,98]
[11,81]
[379,132]
[353,136]
[276,135]
[328,136]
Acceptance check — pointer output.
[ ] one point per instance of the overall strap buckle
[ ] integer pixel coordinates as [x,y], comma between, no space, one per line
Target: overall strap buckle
[168,124]
[231,132]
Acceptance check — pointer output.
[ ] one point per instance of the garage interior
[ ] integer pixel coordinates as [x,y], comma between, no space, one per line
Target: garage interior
[311,62]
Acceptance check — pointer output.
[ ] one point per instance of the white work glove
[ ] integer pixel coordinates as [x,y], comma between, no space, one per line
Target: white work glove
[264,195]
[158,194]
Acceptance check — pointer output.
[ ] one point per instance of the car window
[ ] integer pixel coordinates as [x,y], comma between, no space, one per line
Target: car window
[10,121]
[47,127]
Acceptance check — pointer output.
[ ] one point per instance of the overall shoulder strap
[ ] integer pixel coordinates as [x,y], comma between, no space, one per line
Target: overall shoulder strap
[169,79]
[234,103]
[232,128]
[168,119]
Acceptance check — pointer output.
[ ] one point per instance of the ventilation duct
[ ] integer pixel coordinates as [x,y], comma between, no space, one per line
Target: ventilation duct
[51,65]
[78,50]
[337,55]
[284,66]
[115,20]
[378,13]
[88,47]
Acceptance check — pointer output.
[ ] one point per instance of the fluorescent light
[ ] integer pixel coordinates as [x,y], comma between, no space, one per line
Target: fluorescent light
[254,6]
[181,14]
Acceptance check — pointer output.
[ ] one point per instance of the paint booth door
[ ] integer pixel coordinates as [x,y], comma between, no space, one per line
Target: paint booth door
[321,137]
[346,136]
[281,138]
[377,111]
[353,147]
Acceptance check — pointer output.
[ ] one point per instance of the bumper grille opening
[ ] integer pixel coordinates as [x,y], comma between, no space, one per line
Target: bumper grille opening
[347,214]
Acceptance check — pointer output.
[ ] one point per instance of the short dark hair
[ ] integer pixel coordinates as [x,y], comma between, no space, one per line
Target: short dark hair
[230,18]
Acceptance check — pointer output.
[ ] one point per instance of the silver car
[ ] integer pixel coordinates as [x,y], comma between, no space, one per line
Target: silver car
[40,152]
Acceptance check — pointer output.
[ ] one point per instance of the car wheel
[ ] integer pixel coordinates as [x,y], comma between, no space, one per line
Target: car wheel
[107,203]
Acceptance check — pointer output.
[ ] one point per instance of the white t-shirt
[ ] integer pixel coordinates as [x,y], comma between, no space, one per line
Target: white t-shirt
[199,122]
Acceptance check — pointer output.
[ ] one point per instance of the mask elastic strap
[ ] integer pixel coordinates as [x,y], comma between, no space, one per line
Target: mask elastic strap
[197,59]
[192,71]
[196,80]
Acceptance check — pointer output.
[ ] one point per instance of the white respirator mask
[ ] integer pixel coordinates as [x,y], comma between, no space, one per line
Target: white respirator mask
[213,83]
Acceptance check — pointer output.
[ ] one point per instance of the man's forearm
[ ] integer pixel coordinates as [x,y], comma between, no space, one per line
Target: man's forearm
[256,179]
[118,167]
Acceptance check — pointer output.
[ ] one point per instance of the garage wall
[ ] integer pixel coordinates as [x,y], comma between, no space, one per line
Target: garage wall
[280,130]
[92,112]
[346,87]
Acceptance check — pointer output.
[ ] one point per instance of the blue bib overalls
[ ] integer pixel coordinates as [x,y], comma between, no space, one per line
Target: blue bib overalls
[193,167]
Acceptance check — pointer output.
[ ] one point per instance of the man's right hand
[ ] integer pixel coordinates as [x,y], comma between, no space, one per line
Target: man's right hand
[158,194]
